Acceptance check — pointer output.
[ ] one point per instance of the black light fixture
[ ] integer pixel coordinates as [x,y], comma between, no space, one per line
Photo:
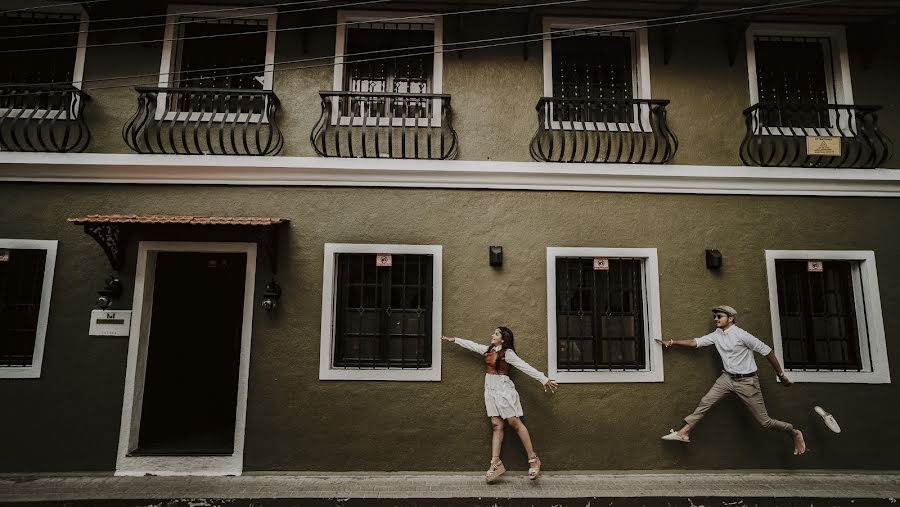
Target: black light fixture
[271,296]
[713,259]
[495,256]
[110,292]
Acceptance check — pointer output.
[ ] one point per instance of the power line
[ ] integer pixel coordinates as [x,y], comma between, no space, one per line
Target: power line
[309,27]
[185,21]
[496,41]
[52,6]
[291,29]
[194,71]
[205,11]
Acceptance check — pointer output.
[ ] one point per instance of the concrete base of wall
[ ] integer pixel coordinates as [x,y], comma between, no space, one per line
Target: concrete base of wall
[614,489]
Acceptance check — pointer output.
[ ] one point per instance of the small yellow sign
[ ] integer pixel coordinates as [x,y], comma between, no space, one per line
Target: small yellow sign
[823,146]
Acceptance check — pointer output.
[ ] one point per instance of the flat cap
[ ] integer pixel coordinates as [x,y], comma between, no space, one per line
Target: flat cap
[731,312]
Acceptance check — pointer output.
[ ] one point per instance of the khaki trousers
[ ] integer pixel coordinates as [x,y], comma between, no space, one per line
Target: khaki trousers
[748,391]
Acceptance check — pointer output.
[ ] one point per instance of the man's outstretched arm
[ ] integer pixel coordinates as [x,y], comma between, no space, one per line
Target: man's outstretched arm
[684,343]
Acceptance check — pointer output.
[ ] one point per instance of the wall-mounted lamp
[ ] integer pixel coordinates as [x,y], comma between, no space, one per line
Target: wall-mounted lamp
[495,256]
[110,292]
[713,259]
[271,296]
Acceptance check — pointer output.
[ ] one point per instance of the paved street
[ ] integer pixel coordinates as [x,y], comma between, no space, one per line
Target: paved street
[671,488]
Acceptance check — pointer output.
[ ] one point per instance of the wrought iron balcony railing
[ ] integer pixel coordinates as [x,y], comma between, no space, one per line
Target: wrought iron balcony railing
[384,125]
[204,121]
[814,135]
[43,118]
[631,131]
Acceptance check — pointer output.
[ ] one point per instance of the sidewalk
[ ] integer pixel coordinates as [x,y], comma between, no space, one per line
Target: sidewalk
[430,485]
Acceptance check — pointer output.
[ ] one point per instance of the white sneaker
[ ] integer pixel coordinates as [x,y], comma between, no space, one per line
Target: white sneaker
[828,418]
[673,435]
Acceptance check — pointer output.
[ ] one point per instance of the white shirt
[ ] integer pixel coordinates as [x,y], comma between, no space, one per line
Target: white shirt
[511,358]
[736,347]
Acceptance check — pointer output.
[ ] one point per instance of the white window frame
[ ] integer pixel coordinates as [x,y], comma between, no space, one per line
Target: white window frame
[329,291]
[37,358]
[868,316]
[136,368]
[46,7]
[640,68]
[172,45]
[652,321]
[838,66]
[437,73]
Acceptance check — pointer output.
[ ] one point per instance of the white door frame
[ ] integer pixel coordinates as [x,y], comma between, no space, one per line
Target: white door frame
[138,342]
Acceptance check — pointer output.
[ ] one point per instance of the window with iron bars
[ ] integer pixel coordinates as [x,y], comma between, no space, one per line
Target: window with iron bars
[21,65]
[600,315]
[389,69]
[207,59]
[383,313]
[21,285]
[820,328]
[794,73]
[594,65]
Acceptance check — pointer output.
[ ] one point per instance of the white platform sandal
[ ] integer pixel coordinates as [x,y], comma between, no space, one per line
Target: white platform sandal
[534,468]
[496,470]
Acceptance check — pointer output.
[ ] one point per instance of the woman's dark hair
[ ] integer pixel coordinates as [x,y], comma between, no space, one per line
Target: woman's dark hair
[509,342]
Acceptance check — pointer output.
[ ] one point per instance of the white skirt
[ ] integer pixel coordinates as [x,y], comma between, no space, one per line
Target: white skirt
[500,397]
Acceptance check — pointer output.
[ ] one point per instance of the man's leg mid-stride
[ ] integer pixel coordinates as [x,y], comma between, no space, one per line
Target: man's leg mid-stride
[750,393]
[719,390]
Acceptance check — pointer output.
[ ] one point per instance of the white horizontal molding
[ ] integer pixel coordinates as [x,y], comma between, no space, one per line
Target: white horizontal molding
[315,171]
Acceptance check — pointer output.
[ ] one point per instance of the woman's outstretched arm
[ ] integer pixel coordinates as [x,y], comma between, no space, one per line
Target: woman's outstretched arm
[514,359]
[467,344]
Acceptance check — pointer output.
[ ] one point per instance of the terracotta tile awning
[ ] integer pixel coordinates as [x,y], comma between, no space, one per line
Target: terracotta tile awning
[111,231]
[175,219]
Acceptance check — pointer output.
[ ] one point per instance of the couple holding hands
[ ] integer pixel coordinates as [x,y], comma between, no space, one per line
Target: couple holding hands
[738,377]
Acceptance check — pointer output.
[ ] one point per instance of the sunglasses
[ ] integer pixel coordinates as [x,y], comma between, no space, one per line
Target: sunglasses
[719,316]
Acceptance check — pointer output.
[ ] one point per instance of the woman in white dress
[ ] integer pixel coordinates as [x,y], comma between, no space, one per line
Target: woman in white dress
[500,397]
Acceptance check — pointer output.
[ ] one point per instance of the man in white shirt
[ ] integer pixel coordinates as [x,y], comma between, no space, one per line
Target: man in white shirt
[739,377]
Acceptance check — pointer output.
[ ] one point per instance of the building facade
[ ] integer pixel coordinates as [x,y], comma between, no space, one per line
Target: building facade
[283,207]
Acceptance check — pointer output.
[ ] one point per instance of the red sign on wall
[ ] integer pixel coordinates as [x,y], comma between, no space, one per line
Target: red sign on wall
[601,263]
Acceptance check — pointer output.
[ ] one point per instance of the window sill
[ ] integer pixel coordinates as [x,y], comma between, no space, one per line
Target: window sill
[605,377]
[839,377]
[20,372]
[395,375]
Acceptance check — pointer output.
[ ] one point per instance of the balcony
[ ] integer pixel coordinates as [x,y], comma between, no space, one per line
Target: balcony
[204,121]
[384,125]
[43,118]
[631,131]
[814,135]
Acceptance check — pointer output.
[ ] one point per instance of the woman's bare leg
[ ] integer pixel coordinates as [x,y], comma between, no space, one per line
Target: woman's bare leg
[522,431]
[497,439]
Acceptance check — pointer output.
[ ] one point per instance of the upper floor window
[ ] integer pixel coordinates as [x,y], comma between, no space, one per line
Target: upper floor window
[35,81]
[826,316]
[600,66]
[26,31]
[26,280]
[375,55]
[603,312]
[381,312]
[224,49]
[800,69]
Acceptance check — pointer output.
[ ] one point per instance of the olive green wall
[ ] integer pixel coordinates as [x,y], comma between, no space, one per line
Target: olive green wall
[494,91]
[69,418]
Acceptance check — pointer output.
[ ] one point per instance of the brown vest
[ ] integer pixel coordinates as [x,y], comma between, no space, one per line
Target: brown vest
[493,366]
